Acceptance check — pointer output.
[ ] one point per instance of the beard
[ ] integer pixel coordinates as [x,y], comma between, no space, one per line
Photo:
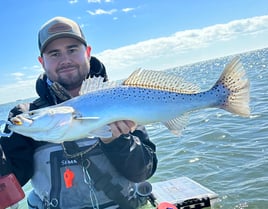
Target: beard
[73,79]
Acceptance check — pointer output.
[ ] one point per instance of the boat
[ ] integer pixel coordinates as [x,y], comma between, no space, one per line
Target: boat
[182,193]
[177,193]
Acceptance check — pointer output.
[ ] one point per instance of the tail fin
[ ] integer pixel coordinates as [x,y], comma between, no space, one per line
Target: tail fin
[233,79]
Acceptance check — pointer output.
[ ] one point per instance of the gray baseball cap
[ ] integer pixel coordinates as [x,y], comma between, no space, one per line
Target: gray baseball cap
[59,27]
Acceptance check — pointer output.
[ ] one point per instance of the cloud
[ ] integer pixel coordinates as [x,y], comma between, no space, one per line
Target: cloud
[99,1]
[108,12]
[94,1]
[102,12]
[17,75]
[23,76]
[73,1]
[186,47]
[127,10]
[18,90]
[21,85]
[34,68]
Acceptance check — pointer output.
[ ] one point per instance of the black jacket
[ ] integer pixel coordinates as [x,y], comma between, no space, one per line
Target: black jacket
[137,165]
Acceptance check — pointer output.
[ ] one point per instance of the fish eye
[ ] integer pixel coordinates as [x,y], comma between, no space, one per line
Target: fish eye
[31,113]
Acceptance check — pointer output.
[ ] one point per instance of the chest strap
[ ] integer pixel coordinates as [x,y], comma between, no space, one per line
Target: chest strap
[102,181]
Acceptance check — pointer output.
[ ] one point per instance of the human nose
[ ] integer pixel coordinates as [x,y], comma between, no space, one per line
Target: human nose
[65,58]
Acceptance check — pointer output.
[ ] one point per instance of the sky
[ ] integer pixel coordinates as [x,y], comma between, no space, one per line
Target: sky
[129,34]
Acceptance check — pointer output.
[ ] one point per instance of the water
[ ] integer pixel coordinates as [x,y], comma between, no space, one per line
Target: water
[226,153]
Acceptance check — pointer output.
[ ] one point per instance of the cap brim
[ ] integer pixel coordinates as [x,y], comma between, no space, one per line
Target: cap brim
[61,35]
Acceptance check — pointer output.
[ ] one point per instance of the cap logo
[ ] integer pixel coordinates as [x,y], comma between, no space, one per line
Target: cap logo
[59,27]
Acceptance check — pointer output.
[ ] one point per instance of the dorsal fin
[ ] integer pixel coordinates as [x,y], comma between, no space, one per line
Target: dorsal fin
[160,80]
[150,79]
[94,84]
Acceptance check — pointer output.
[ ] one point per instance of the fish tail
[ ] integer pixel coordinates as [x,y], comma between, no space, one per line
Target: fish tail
[235,87]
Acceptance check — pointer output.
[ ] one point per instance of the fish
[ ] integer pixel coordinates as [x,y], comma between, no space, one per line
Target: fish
[145,97]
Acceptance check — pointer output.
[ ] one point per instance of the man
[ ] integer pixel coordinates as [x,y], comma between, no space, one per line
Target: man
[86,173]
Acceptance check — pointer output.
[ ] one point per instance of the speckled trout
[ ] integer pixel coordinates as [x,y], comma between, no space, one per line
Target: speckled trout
[145,97]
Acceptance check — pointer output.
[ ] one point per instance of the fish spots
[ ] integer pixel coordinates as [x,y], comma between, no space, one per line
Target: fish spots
[201,94]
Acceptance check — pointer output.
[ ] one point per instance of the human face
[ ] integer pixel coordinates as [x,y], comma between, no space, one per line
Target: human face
[66,61]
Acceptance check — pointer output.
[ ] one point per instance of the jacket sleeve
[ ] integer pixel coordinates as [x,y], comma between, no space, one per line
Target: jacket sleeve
[133,155]
[18,151]
[19,157]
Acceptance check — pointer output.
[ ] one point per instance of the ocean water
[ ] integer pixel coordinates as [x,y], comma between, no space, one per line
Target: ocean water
[226,153]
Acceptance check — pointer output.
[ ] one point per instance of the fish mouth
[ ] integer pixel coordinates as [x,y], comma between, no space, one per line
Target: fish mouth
[18,121]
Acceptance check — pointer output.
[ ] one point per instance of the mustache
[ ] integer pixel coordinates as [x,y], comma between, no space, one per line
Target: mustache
[63,67]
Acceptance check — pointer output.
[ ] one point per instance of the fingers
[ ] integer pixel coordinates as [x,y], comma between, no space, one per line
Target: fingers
[122,127]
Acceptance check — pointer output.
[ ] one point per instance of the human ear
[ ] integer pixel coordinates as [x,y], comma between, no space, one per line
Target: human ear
[40,59]
[88,51]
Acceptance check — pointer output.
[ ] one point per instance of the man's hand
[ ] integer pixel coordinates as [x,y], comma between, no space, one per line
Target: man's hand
[118,128]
